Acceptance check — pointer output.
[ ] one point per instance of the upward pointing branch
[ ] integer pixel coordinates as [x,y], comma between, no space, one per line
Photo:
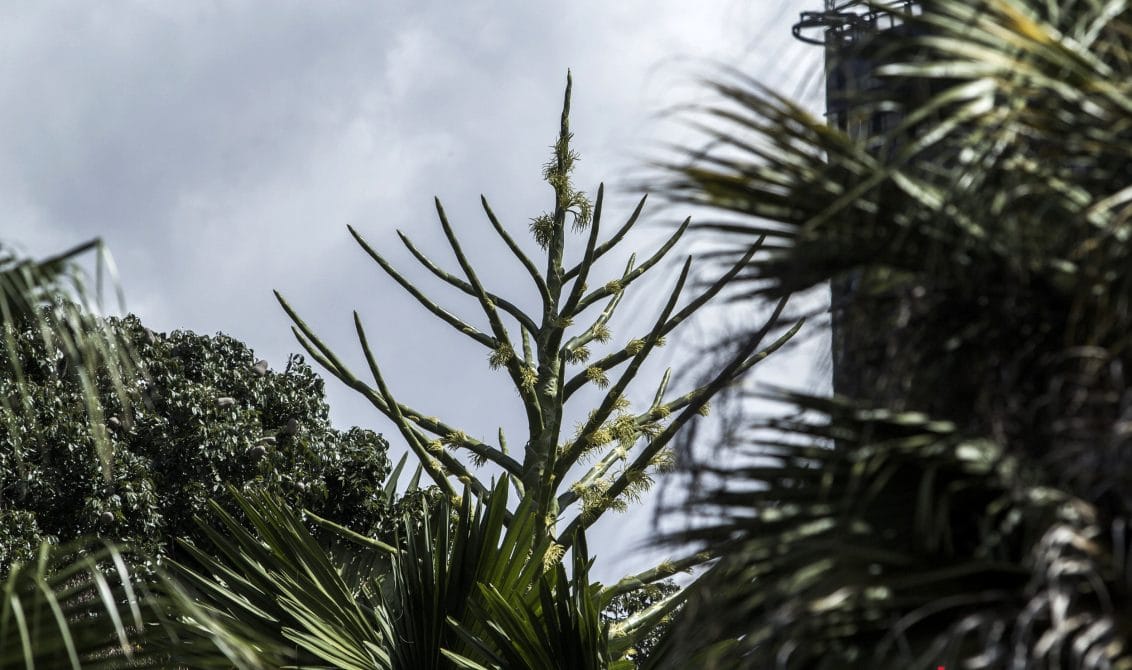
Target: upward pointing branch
[578,446]
[587,258]
[443,314]
[503,341]
[431,465]
[464,286]
[604,247]
[526,262]
[548,346]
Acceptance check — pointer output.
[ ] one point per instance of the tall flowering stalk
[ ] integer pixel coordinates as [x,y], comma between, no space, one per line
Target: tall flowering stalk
[547,355]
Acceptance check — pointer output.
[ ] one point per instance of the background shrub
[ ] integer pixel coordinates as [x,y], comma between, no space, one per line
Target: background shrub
[207,415]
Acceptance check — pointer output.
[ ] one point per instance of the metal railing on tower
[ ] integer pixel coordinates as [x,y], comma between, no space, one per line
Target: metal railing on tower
[846,21]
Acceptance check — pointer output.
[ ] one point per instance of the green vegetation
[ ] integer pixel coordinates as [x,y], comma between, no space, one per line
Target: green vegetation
[49,300]
[297,559]
[565,478]
[971,508]
[206,416]
[546,354]
[475,587]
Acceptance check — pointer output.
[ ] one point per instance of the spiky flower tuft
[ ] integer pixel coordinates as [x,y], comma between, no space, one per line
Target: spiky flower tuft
[556,171]
[579,354]
[600,437]
[581,208]
[553,555]
[528,377]
[664,461]
[624,429]
[597,376]
[542,227]
[456,438]
[501,356]
[602,333]
[595,499]
[639,484]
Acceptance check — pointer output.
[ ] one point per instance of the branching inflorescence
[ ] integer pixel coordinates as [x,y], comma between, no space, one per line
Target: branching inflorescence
[550,361]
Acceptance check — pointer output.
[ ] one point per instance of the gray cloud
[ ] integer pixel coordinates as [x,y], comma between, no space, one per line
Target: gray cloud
[222,148]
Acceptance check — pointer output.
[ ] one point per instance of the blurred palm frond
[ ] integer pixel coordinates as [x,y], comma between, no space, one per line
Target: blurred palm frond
[51,298]
[970,208]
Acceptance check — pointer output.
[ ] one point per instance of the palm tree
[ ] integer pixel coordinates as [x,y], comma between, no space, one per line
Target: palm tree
[971,508]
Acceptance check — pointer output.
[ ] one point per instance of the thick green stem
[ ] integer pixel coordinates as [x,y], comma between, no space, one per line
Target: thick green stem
[540,477]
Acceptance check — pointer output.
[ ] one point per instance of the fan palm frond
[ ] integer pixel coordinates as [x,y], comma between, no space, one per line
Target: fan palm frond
[557,625]
[273,587]
[905,545]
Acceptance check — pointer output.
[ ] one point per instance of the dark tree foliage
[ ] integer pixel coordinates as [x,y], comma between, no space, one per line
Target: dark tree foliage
[625,605]
[206,416]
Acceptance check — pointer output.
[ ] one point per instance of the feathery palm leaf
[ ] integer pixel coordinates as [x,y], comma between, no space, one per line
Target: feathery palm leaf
[905,546]
[51,297]
[993,213]
[978,251]
[79,607]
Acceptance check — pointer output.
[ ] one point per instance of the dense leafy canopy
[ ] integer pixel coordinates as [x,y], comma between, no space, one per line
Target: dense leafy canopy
[205,416]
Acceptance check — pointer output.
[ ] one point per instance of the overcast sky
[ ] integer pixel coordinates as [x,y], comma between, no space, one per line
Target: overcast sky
[221,148]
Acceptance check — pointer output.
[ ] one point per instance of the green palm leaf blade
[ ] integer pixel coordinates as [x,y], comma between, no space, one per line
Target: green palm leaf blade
[80,606]
[50,301]
[557,625]
[275,588]
[443,567]
[268,584]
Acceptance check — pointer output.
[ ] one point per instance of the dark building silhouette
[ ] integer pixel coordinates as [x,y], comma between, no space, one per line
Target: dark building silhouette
[854,35]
